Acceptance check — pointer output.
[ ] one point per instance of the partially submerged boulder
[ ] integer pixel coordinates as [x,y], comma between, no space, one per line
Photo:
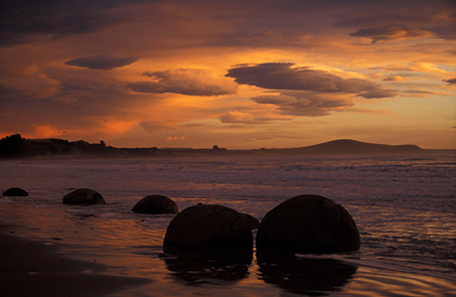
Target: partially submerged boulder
[208,228]
[83,197]
[156,204]
[15,192]
[308,224]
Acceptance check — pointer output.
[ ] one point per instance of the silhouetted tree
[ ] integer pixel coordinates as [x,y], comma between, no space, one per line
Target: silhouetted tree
[11,146]
[215,147]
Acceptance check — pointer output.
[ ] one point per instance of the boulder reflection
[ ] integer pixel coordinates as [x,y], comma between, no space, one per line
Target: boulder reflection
[211,268]
[307,276]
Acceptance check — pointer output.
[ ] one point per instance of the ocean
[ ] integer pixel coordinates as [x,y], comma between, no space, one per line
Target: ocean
[404,207]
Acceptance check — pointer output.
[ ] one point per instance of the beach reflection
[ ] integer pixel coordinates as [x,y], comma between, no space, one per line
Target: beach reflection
[307,276]
[214,268]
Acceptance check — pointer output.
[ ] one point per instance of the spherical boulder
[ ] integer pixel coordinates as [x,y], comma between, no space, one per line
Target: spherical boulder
[83,197]
[15,192]
[208,228]
[308,224]
[156,204]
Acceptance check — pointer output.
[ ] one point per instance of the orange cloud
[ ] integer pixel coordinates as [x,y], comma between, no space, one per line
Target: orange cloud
[117,126]
[237,117]
[394,78]
[171,138]
[47,131]
[192,82]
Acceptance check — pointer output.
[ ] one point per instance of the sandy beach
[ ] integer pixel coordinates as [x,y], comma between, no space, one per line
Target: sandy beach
[35,268]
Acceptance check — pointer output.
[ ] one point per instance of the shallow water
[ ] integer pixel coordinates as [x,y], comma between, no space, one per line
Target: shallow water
[404,207]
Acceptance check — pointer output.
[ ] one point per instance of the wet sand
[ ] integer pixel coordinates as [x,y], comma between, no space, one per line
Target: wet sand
[34,268]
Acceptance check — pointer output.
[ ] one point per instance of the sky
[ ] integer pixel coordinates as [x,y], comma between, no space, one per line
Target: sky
[237,74]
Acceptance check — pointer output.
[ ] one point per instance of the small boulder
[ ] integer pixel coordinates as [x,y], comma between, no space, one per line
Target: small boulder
[308,224]
[208,228]
[15,192]
[156,204]
[83,197]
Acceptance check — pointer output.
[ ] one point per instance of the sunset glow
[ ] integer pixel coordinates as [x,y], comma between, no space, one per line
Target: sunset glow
[237,74]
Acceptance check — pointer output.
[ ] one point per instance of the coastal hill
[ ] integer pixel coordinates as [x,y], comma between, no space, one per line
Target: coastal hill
[15,146]
[349,146]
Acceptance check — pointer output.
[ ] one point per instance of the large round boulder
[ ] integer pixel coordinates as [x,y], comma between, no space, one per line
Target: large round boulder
[252,222]
[208,228]
[15,192]
[156,204]
[83,197]
[308,224]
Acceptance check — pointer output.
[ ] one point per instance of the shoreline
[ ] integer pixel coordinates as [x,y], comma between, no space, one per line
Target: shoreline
[35,267]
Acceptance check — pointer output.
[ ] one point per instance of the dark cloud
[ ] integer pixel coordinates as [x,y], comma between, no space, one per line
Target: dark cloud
[390,32]
[393,77]
[420,92]
[451,81]
[303,91]
[102,62]
[305,103]
[281,76]
[25,21]
[438,21]
[377,93]
[183,81]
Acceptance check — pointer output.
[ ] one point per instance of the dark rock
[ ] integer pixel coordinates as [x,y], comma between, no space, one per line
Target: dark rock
[308,224]
[83,197]
[15,192]
[156,204]
[203,228]
[252,222]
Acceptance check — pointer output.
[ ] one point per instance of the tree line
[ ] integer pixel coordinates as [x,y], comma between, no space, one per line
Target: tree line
[11,146]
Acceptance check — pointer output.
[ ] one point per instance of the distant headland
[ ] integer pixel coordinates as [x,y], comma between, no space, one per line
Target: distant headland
[15,146]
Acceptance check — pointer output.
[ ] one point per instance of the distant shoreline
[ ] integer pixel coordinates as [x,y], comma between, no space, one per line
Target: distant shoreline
[54,148]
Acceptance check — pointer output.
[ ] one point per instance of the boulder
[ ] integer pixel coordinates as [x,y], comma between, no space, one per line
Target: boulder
[156,204]
[83,197]
[15,192]
[308,224]
[208,228]
[252,222]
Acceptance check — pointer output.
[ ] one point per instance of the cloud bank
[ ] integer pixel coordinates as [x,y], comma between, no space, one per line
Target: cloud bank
[191,82]
[398,25]
[305,104]
[303,91]
[281,76]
